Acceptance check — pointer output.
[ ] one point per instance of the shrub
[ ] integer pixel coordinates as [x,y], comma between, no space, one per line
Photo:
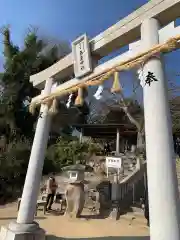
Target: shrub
[68,151]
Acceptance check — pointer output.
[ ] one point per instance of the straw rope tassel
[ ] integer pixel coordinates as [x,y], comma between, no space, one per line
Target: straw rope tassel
[79,99]
[54,107]
[32,108]
[116,87]
[132,62]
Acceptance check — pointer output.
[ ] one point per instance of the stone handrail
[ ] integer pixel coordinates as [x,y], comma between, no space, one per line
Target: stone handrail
[128,183]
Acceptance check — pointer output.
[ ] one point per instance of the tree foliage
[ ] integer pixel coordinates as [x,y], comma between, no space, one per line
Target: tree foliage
[19,64]
[16,122]
[68,151]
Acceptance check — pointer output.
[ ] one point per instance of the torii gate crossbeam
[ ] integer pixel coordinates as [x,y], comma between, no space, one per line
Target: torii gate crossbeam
[122,33]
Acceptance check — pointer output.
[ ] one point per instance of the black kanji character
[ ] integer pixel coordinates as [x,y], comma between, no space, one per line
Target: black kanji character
[81,58]
[40,115]
[81,46]
[150,78]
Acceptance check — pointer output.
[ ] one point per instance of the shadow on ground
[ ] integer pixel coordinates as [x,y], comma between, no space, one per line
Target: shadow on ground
[51,237]
[14,218]
[103,215]
[90,217]
[55,212]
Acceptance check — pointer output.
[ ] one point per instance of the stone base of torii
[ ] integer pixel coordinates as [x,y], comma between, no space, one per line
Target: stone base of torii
[161,166]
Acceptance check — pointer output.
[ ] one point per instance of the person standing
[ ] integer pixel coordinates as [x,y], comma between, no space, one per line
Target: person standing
[107,149]
[146,206]
[178,146]
[51,191]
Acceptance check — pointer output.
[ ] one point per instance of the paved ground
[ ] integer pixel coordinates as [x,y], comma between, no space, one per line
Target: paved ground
[60,227]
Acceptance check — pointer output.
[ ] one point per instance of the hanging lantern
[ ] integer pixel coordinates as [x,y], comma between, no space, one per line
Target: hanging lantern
[116,87]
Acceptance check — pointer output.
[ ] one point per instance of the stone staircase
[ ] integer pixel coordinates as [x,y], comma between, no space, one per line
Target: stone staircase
[133,178]
[128,166]
[130,188]
[130,180]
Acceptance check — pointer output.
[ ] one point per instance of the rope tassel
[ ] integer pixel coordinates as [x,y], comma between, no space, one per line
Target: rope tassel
[97,79]
[79,99]
[116,87]
[54,107]
[32,108]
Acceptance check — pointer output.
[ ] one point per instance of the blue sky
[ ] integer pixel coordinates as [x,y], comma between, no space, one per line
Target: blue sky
[66,19]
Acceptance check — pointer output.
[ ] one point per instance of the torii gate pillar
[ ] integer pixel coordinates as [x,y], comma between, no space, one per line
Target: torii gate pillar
[161,166]
[25,227]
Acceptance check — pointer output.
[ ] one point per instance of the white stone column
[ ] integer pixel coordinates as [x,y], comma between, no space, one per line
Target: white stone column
[25,227]
[36,161]
[117,141]
[161,168]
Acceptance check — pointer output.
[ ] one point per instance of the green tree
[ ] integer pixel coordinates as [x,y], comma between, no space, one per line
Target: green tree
[68,151]
[35,56]
[16,122]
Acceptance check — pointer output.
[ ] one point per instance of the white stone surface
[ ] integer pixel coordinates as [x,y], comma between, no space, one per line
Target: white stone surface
[25,228]
[81,56]
[97,70]
[118,35]
[161,168]
[3,233]
[9,234]
[134,48]
[36,161]
[165,33]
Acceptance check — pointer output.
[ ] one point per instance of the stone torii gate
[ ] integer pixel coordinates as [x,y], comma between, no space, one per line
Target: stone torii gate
[147,23]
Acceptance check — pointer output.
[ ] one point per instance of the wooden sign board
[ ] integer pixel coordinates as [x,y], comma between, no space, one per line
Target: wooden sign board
[81,56]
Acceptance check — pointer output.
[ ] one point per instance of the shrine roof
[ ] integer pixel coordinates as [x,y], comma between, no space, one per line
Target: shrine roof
[106,130]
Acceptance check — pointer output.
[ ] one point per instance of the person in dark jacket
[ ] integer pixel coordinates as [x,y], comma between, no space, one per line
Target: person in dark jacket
[107,149]
[51,191]
[146,206]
